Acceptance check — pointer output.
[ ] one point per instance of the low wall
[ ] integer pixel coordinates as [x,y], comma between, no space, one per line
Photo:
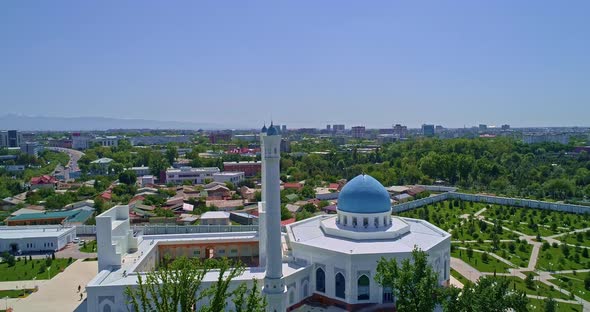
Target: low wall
[517,202]
[174,229]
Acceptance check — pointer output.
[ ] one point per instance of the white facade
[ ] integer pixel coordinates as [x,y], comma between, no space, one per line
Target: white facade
[194,175]
[31,239]
[226,176]
[140,171]
[146,180]
[82,142]
[215,218]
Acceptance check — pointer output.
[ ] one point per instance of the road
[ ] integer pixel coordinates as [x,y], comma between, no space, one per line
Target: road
[74,155]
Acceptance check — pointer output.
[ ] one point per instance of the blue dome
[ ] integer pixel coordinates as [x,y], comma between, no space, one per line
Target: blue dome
[364,194]
[263,129]
[272,130]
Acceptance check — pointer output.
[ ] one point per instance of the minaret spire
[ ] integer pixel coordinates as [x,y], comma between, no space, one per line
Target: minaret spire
[274,286]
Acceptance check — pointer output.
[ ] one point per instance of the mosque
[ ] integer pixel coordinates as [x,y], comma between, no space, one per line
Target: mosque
[330,259]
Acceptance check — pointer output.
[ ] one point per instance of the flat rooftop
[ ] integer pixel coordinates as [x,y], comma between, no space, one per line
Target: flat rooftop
[15,232]
[421,233]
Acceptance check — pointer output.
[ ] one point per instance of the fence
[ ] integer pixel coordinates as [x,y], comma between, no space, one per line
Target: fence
[518,202]
[174,229]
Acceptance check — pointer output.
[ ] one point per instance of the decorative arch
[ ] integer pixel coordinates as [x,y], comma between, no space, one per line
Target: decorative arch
[320,280]
[291,295]
[304,289]
[340,283]
[363,285]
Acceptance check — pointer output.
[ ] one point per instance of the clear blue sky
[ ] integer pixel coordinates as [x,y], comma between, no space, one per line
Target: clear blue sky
[303,63]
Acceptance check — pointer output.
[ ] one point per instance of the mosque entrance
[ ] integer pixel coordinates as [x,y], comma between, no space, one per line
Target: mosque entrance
[209,252]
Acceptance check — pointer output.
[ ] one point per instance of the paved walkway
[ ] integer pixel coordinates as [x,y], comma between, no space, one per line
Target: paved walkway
[73,250]
[572,232]
[469,272]
[60,293]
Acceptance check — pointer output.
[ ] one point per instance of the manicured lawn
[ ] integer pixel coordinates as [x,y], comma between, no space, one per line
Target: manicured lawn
[476,262]
[21,271]
[520,255]
[540,289]
[89,247]
[15,293]
[460,277]
[578,239]
[532,221]
[539,305]
[573,283]
[448,217]
[554,259]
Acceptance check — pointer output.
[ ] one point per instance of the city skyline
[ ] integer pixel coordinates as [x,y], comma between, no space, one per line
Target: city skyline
[303,64]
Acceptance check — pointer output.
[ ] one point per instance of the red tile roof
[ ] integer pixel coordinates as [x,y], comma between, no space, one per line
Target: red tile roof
[44,179]
[106,195]
[292,185]
[288,221]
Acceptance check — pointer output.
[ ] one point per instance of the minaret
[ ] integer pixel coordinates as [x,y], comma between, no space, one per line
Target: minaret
[274,287]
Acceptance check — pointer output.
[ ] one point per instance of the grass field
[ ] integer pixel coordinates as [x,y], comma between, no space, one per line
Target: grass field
[540,289]
[578,239]
[533,221]
[15,293]
[554,259]
[492,264]
[520,255]
[33,268]
[539,305]
[459,277]
[89,247]
[573,283]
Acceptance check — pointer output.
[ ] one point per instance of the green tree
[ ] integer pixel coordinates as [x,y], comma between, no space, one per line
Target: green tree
[414,282]
[249,299]
[176,286]
[171,154]
[550,305]
[128,177]
[489,294]
[529,281]
[285,213]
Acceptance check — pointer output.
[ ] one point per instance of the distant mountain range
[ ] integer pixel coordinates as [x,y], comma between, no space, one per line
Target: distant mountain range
[40,123]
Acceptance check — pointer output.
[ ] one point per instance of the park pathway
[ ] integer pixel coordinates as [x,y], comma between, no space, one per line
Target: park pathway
[60,293]
[469,272]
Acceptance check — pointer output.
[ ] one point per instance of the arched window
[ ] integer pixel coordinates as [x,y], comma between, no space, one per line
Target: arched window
[340,286]
[320,280]
[387,295]
[354,221]
[292,296]
[385,221]
[345,220]
[106,308]
[363,287]
[376,222]
[365,222]
[304,290]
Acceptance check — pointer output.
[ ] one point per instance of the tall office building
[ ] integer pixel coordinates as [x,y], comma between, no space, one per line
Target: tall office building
[428,130]
[358,132]
[338,128]
[10,138]
[400,131]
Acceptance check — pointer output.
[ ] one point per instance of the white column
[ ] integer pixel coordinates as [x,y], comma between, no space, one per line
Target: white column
[274,286]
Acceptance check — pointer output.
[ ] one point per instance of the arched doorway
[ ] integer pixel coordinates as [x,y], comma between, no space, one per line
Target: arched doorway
[340,286]
[209,252]
[320,280]
[363,288]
